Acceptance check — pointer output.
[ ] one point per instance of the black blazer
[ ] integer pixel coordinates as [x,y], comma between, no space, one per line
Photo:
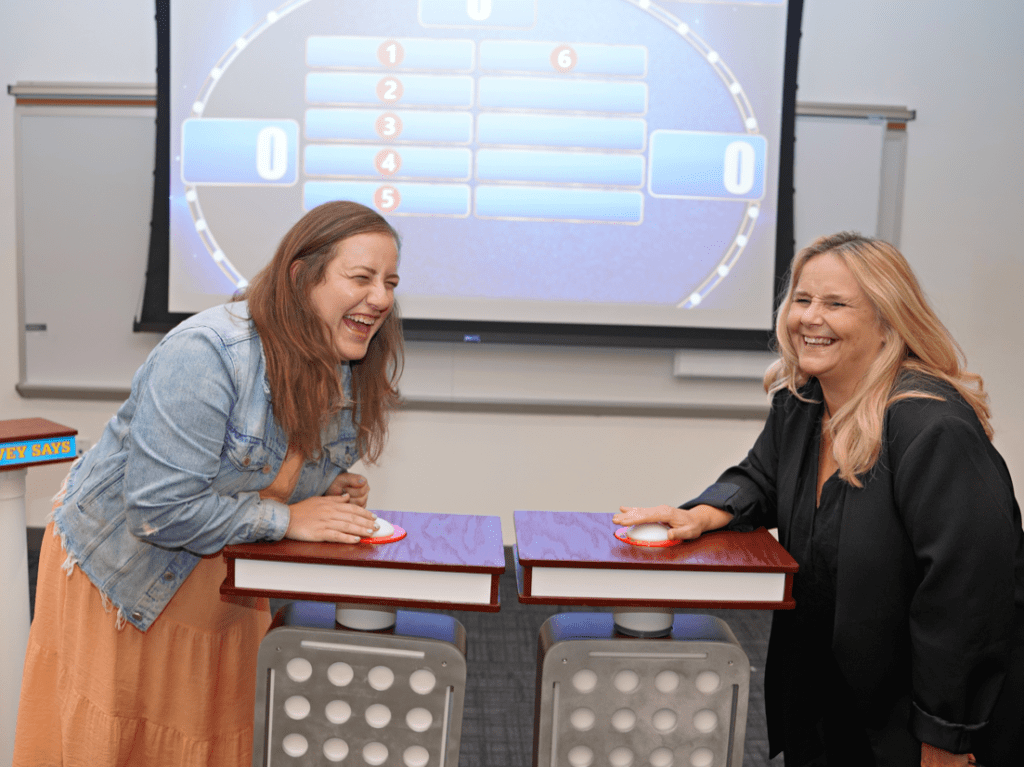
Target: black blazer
[930,564]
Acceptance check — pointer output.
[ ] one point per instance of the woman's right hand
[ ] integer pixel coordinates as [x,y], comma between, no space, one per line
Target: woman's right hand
[329,518]
[933,756]
[683,524]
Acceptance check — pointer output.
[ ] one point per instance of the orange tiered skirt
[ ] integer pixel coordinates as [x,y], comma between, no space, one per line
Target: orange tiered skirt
[180,694]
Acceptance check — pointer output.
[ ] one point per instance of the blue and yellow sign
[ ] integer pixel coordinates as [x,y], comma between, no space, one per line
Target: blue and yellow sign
[37,451]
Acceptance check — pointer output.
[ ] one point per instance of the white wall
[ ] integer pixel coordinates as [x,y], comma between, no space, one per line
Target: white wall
[958,64]
[961,66]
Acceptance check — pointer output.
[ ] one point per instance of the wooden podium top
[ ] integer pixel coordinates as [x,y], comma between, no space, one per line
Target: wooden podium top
[575,539]
[26,442]
[575,558]
[446,561]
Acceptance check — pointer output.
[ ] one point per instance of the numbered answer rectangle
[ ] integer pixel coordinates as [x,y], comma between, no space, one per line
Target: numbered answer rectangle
[552,93]
[398,125]
[401,53]
[478,13]
[389,161]
[560,167]
[227,151]
[578,58]
[722,166]
[401,199]
[386,89]
[561,131]
[559,204]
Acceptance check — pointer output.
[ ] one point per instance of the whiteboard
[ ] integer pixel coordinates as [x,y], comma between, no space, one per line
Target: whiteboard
[837,175]
[84,186]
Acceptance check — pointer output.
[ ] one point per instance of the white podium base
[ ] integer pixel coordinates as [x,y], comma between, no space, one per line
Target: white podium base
[14,628]
[365,617]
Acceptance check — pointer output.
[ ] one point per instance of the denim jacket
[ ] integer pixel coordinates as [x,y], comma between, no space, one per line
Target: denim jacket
[178,470]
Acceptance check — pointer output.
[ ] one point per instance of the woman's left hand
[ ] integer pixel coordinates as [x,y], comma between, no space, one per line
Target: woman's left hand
[932,756]
[355,485]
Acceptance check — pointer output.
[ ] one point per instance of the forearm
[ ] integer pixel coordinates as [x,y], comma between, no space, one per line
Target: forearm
[207,523]
[711,518]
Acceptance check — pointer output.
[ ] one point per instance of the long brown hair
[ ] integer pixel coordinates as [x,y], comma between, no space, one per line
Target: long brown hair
[302,361]
[915,340]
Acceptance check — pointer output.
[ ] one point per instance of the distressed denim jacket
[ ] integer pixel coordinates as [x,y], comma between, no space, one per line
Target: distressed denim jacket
[178,470]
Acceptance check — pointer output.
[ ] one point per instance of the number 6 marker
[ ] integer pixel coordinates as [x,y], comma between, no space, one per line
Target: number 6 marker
[563,58]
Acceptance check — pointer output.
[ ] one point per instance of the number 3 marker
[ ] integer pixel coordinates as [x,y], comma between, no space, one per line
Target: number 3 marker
[389,125]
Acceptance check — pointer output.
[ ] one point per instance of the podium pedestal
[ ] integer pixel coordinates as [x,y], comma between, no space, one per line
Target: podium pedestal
[642,685]
[14,576]
[392,691]
[24,443]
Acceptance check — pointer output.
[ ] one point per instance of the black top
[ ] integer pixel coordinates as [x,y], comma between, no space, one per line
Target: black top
[818,719]
[814,542]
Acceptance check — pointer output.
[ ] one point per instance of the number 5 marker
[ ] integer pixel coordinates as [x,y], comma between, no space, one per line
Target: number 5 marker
[387,199]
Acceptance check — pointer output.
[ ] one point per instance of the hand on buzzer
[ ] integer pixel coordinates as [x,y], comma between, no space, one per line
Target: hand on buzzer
[338,516]
[683,524]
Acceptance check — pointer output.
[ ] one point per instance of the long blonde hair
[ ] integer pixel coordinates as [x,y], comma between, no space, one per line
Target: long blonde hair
[915,340]
[302,361]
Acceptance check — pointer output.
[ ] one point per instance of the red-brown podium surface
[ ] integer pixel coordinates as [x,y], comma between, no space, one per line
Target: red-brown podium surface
[445,562]
[571,558]
[24,442]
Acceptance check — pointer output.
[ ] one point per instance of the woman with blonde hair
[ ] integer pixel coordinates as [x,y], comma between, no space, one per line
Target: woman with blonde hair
[241,426]
[876,465]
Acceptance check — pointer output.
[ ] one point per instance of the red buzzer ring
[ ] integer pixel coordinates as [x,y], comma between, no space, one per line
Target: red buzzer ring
[398,535]
[621,535]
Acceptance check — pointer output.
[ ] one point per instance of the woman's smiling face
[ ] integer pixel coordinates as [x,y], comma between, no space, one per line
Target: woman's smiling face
[358,291]
[832,325]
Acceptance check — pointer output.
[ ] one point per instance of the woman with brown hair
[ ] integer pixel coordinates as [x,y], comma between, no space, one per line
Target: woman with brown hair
[241,426]
[906,646]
